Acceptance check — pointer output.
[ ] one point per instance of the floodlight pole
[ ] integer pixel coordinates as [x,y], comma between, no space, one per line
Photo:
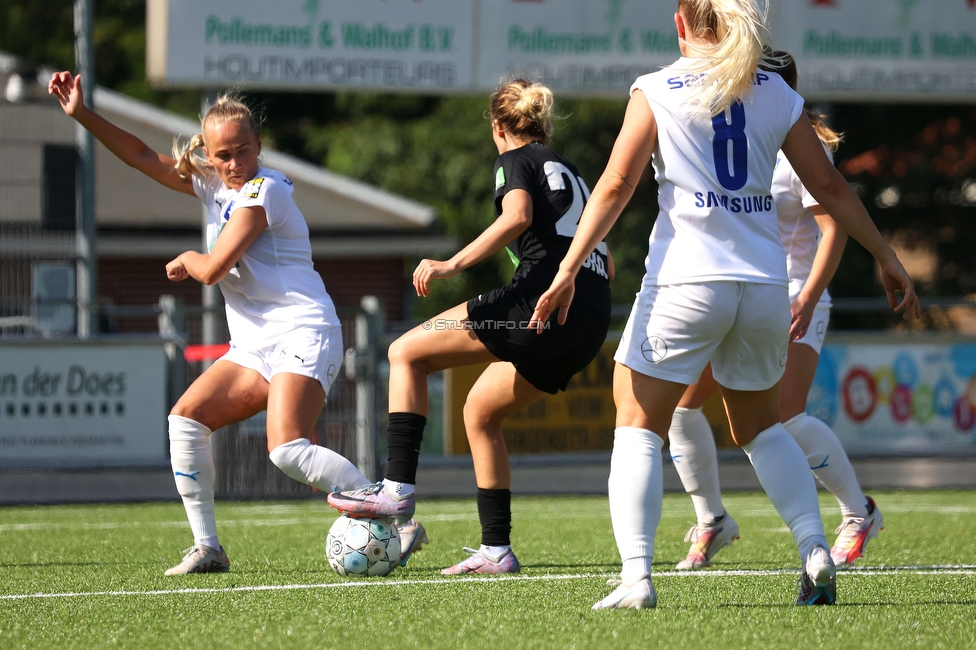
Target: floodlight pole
[87,270]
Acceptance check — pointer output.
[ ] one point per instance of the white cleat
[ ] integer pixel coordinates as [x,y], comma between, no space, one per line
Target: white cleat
[413,536]
[640,595]
[818,584]
[201,559]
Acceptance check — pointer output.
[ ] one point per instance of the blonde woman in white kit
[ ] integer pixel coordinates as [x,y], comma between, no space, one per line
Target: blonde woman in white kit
[716,287]
[286,343]
[814,245]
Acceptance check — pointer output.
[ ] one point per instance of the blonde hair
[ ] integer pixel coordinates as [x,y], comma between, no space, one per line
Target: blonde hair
[226,109]
[784,65]
[826,134]
[737,29]
[523,109]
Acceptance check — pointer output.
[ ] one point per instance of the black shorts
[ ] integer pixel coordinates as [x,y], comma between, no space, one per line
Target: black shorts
[500,319]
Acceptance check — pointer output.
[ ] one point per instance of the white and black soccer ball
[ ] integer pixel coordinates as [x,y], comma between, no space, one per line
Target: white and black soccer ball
[363,547]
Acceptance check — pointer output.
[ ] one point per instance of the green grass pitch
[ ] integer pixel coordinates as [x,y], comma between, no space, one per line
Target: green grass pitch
[92,576]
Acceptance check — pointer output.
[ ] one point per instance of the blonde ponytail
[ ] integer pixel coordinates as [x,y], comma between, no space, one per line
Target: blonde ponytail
[827,135]
[226,109]
[737,29]
[523,109]
[188,162]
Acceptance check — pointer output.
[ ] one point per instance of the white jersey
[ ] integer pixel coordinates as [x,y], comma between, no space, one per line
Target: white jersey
[797,227]
[273,288]
[717,218]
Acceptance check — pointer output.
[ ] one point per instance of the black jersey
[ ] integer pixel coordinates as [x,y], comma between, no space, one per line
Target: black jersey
[558,196]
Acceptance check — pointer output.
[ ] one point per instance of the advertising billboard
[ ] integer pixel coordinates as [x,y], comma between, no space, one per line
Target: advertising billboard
[912,50]
[70,404]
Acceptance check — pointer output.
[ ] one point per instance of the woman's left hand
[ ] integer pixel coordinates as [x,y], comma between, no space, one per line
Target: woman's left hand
[895,278]
[801,313]
[427,270]
[175,270]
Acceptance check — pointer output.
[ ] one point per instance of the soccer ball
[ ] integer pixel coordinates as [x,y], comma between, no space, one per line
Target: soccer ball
[363,547]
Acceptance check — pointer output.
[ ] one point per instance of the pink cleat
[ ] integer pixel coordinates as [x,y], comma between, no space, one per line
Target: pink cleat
[706,542]
[854,535]
[373,502]
[479,562]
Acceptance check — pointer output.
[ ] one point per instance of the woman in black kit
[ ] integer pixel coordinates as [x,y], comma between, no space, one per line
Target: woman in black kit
[539,198]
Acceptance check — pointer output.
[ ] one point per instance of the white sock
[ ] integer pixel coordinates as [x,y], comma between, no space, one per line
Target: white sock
[693,453]
[810,543]
[494,553]
[193,469]
[636,489]
[396,489]
[829,463]
[782,471]
[317,466]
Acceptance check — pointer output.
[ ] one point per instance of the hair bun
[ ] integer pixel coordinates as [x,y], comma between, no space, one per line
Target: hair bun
[524,109]
[535,103]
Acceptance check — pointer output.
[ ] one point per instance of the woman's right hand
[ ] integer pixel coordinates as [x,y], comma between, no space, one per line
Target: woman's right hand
[176,270]
[67,88]
[558,296]
[427,270]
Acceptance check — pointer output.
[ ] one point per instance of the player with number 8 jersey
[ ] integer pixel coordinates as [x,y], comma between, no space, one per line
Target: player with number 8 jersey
[715,287]
[539,198]
[716,216]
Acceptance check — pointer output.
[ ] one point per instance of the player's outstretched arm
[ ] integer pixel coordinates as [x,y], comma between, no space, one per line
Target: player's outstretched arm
[127,147]
[805,152]
[515,219]
[631,153]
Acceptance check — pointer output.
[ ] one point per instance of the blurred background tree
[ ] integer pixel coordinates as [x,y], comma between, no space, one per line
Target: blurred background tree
[914,166]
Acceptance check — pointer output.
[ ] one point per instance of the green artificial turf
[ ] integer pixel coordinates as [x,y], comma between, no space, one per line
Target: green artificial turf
[916,587]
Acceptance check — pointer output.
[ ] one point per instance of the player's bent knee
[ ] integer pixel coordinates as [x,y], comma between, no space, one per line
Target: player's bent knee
[406,351]
[288,457]
[477,418]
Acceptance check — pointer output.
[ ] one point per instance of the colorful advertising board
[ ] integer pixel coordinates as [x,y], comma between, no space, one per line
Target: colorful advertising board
[898,396]
[881,394]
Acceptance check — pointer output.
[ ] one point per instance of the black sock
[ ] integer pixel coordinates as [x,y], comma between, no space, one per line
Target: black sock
[403,435]
[495,512]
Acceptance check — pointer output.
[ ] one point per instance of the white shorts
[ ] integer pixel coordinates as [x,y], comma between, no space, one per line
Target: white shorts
[743,328]
[315,353]
[818,327]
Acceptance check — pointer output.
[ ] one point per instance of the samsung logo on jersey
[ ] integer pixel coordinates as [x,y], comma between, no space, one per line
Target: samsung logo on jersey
[747,204]
[691,80]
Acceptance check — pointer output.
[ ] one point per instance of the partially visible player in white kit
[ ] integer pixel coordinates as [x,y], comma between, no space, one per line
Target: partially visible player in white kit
[814,245]
[286,343]
[716,286]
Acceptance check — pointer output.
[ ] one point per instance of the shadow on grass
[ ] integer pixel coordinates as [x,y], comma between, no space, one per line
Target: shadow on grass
[35,565]
[576,566]
[961,603]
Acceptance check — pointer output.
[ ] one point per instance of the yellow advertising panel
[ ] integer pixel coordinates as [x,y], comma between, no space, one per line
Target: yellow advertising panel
[580,419]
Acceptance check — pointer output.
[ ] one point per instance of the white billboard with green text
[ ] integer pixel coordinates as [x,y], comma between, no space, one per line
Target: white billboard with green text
[875,50]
